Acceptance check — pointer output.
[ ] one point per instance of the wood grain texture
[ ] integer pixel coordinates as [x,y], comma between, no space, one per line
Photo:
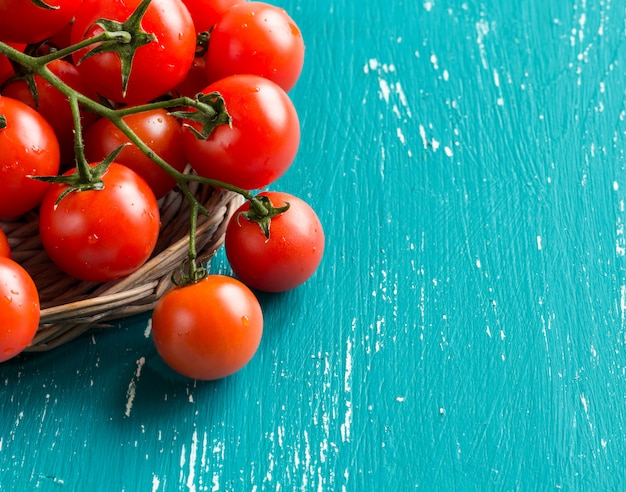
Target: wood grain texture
[466,328]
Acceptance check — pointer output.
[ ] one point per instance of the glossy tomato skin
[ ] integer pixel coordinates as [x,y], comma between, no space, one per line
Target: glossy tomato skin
[24,22]
[53,105]
[208,330]
[288,258]
[101,235]
[28,147]
[262,141]
[19,309]
[256,38]
[157,66]
[158,129]
[195,81]
[5,247]
[207,13]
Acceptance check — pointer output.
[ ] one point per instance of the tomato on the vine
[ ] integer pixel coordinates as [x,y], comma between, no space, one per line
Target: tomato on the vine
[157,67]
[101,235]
[28,147]
[19,309]
[157,129]
[291,254]
[54,105]
[5,247]
[260,144]
[209,329]
[23,21]
[256,38]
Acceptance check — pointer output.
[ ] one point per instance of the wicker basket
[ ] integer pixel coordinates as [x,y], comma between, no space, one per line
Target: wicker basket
[70,307]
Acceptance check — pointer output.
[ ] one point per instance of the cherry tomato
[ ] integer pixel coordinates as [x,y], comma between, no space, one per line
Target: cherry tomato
[209,329]
[206,13]
[101,235]
[53,105]
[156,128]
[5,248]
[157,67]
[288,258]
[256,38]
[260,145]
[22,21]
[6,68]
[28,147]
[195,81]
[19,309]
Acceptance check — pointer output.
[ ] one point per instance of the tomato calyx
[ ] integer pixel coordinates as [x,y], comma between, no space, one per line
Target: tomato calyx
[86,178]
[190,271]
[211,114]
[124,47]
[202,43]
[262,211]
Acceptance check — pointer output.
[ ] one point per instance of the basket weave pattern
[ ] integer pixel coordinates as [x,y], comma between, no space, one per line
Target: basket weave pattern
[70,307]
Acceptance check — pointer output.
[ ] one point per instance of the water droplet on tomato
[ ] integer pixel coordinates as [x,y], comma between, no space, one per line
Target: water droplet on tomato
[92,239]
[245,321]
[7,299]
[9,350]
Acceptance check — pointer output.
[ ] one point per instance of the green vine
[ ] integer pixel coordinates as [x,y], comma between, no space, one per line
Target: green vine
[207,109]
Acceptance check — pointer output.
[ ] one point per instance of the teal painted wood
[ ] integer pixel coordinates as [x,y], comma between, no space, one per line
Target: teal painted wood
[466,330]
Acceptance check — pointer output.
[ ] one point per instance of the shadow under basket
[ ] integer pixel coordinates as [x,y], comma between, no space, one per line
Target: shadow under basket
[70,307]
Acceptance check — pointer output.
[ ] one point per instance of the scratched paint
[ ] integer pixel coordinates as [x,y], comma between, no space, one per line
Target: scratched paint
[469,318]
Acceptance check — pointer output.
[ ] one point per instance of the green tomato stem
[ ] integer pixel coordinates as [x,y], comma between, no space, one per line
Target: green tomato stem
[89,177]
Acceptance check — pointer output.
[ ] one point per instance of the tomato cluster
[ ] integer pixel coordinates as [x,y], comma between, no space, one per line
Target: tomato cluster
[103,105]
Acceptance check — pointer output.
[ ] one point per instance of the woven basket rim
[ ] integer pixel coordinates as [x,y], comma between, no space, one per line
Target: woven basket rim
[70,307]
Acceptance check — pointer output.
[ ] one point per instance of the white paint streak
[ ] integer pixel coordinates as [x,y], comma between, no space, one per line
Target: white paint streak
[583,400]
[132,387]
[422,131]
[622,303]
[193,455]
[482,29]
[384,89]
[433,60]
[148,329]
[402,97]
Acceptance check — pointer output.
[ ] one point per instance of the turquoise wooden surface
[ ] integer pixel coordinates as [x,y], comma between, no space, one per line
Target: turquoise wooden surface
[467,328]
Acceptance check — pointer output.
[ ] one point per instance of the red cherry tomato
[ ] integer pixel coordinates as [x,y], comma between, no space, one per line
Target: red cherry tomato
[195,81]
[53,105]
[19,309]
[288,258]
[101,235]
[157,67]
[22,21]
[209,329]
[28,147]
[206,13]
[5,248]
[156,128]
[6,68]
[256,38]
[260,145]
